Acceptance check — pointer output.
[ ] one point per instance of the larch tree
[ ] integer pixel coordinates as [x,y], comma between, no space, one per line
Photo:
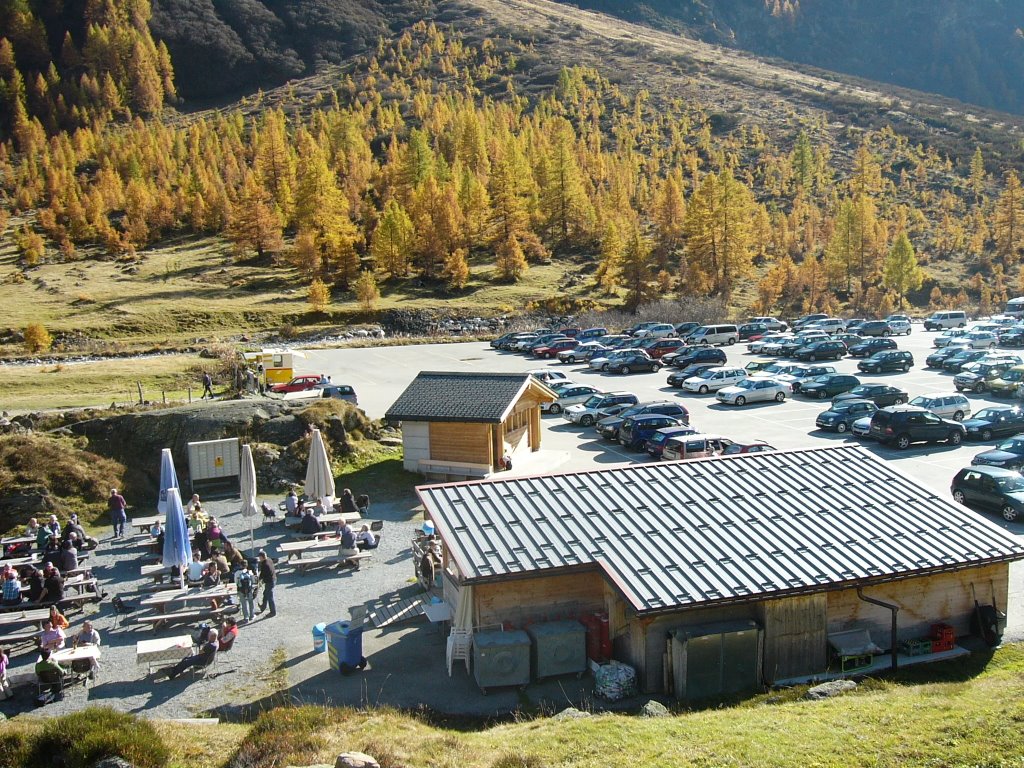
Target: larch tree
[564,202]
[802,162]
[609,269]
[636,271]
[511,262]
[1009,219]
[366,291]
[902,273]
[319,295]
[718,231]
[437,220]
[978,175]
[456,269]
[275,163]
[252,224]
[669,215]
[393,240]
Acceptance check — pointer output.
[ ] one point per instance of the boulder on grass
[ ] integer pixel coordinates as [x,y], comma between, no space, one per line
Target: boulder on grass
[355,760]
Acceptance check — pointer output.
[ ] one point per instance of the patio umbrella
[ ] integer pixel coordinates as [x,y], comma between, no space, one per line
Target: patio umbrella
[168,480]
[248,482]
[319,479]
[177,548]
[463,618]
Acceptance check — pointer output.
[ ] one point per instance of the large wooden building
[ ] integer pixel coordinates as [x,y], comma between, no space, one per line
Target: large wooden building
[797,546]
[461,425]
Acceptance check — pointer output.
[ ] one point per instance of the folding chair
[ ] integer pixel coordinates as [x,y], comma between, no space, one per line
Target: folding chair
[121,610]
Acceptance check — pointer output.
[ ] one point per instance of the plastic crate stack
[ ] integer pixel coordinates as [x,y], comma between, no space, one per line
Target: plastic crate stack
[943,637]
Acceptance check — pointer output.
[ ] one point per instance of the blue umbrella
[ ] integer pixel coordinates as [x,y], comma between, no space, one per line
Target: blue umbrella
[177,547]
[168,480]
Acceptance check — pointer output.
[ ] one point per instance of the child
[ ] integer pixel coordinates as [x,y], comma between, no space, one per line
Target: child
[5,684]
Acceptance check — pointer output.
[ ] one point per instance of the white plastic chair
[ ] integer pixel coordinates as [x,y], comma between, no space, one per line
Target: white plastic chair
[459,647]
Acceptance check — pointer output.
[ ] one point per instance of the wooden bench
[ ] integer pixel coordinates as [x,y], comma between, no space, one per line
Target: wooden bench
[299,548]
[18,636]
[156,620]
[315,562]
[453,470]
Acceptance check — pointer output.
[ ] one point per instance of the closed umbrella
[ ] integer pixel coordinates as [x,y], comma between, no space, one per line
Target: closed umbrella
[248,484]
[319,479]
[168,479]
[177,547]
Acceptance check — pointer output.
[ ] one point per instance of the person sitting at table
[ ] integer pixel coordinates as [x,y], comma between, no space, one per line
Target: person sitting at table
[46,664]
[211,576]
[226,634]
[220,562]
[53,526]
[156,529]
[291,504]
[197,520]
[235,559]
[309,524]
[53,586]
[205,656]
[51,638]
[58,619]
[300,509]
[42,537]
[51,553]
[34,578]
[12,588]
[86,636]
[319,506]
[85,541]
[68,557]
[32,529]
[215,535]
[348,536]
[194,503]
[365,539]
[348,503]
[196,568]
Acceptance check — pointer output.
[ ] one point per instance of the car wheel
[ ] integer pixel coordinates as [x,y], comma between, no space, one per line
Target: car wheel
[655,368]
[731,341]
[813,358]
[885,334]
[906,367]
[955,438]
[986,434]
[898,401]
[1009,513]
[741,400]
[625,369]
[570,359]
[587,421]
[703,389]
[841,427]
[903,441]
[958,497]
[780,396]
[604,367]
[555,408]
[959,416]
[822,394]
[979,387]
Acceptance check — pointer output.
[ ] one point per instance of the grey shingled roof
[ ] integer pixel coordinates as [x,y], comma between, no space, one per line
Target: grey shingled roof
[676,535]
[476,397]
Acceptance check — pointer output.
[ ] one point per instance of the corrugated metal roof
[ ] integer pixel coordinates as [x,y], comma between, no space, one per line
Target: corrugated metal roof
[463,396]
[673,535]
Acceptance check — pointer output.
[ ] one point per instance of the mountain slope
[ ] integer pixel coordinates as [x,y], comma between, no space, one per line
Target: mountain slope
[971,50]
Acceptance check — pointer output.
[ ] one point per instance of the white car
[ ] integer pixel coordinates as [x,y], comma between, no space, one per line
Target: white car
[548,375]
[567,396]
[580,352]
[801,373]
[951,405]
[769,338]
[776,369]
[829,325]
[981,339]
[592,410]
[899,327]
[861,427]
[952,336]
[752,391]
[714,379]
[657,331]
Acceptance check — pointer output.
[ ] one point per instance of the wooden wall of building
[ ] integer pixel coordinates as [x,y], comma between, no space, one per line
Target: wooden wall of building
[795,641]
[460,441]
[538,599]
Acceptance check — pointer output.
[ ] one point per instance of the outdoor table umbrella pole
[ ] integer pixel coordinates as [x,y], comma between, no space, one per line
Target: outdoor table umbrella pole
[177,548]
[248,491]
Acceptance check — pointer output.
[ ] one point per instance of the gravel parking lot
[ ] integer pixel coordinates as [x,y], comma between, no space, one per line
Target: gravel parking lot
[407,662]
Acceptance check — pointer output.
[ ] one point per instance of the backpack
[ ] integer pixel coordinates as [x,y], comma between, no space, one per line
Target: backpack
[243,583]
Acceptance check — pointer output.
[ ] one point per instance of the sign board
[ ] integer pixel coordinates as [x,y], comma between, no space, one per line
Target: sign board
[214,465]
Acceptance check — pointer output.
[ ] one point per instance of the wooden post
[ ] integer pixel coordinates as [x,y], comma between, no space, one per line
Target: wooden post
[138,384]
[163,393]
[190,393]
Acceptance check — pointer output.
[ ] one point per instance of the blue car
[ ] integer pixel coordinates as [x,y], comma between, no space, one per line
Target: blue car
[637,430]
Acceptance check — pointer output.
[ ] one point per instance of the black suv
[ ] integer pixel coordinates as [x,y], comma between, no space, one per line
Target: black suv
[992,487]
[963,357]
[868,347]
[821,350]
[702,354]
[828,385]
[874,328]
[636,361]
[904,424]
[887,360]
[676,378]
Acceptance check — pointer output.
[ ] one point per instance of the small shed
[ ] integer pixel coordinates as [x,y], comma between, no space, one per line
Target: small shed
[461,425]
[792,547]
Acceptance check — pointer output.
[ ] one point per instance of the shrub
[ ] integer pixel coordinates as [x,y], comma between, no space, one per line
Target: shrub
[82,739]
[13,748]
[283,736]
[37,338]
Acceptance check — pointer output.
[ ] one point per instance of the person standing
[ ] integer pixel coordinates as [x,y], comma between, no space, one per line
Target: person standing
[245,588]
[118,517]
[207,385]
[268,578]
[5,684]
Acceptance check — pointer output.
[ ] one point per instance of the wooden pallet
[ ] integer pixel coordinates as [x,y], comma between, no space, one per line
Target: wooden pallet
[385,614]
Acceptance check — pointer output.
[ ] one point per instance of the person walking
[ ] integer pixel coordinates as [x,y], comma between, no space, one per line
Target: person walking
[245,588]
[207,385]
[118,517]
[268,578]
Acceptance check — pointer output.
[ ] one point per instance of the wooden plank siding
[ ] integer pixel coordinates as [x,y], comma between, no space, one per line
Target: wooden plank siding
[459,441]
[795,637]
[523,600]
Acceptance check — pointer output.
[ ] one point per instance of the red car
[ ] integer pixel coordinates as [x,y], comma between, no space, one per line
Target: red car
[661,347]
[297,384]
[556,346]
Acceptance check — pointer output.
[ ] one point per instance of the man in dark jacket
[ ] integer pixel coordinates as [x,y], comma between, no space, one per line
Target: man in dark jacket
[53,586]
[204,658]
[268,577]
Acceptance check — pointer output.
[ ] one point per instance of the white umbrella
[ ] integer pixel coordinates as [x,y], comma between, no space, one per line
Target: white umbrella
[319,479]
[248,483]
[168,480]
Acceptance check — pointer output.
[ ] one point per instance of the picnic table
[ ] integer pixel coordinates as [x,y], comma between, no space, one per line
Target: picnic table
[81,653]
[162,651]
[167,597]
[327,519]
[298,548]
[31,616]
[10,540]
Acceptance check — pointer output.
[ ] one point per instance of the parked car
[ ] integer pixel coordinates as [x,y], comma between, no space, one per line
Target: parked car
[715,334]
[880,394]
[747,330]
[544,341]
[657,331]
[339,391]
[759,446]
[577,393]
[938,358]
[632,363]
[990,488]
[609,427]
[789,348]
[757,347]
[755,366]
[800,373]
[821,350]
[981,339]
[829,325]
[771,323]
[656,442]
[548,375]
[874,328]
[508,341]
[775,346]
[658,348]
[829,385]
[952,336]
[298,384]
[957,361]
[700,355]
[900,327]
[861,427]
[639,328]
[940,321]
[602,363]
[1007,382]
[586,413]
[636,430]
[849,339]
[887,360]
[800,322]
[582,352]
[549,351]
[995,421]
[591,334]
[841,415]
[1008,454]
[524,341]
[776,369]
[752,391]
[947,405]
[902,425]
[868,347]
[685,329]
[714,379]
[978,376]
[505,337]
[694,447]
[676,378]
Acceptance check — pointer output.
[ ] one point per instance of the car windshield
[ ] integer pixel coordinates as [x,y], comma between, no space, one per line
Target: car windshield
[825,378]
[987,414]
[593,402]
[1013,445]
[747,384]
[1011,483]
[922,401]
[1013,375]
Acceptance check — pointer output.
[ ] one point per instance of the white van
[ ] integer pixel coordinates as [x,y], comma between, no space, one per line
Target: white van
[941,321]
[714,379]
[715,334]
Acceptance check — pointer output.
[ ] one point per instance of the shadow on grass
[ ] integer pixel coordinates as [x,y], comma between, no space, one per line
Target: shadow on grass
[384,481]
